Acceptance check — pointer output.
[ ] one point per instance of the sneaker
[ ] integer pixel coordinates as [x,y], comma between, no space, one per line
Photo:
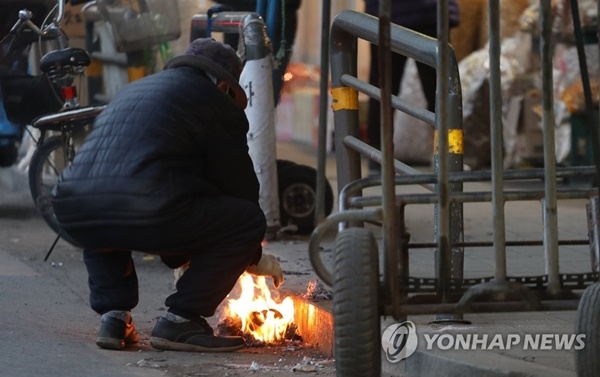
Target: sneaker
[116,330]
[175,333]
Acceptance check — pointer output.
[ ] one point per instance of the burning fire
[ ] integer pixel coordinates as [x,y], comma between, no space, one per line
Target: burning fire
[261,316]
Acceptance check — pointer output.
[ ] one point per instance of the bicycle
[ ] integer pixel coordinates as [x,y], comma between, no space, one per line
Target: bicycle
[48,102]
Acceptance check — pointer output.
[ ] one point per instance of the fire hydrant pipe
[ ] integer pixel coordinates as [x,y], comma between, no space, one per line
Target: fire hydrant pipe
[256,78]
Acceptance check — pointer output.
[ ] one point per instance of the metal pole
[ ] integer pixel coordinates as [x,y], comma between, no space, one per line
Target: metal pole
[550,218]
[322,139]
[448,156]
[496,140]
[390,226]
[343,60]
[443,219]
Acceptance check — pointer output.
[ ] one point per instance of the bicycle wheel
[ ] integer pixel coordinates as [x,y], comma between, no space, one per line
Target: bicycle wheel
[46,164]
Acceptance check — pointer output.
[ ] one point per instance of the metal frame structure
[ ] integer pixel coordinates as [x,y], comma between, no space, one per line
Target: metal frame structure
[448,292]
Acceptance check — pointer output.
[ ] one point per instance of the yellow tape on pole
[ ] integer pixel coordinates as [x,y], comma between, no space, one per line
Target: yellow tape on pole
[344,98]
[455,142]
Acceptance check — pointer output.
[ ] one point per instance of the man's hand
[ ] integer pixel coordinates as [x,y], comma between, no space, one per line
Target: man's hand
[267,266]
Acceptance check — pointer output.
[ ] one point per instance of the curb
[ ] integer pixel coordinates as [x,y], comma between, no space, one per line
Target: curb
[468,364]
[314,321]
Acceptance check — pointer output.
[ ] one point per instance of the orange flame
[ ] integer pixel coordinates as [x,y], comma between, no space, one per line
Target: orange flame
[261,316]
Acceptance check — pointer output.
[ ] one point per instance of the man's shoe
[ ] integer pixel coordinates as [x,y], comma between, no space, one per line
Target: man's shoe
[116,330]
[195,336]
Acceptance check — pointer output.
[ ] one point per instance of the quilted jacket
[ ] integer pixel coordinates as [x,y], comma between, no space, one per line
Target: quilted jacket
[162,142]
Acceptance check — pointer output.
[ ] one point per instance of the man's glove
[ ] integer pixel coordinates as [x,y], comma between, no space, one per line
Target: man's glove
[267,266]
[179,271]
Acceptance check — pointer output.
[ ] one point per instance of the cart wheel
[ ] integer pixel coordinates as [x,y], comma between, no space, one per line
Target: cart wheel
[588,323]
[355,304]
[298,195]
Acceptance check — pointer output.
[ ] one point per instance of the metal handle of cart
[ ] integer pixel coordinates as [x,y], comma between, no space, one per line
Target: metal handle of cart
[347,27]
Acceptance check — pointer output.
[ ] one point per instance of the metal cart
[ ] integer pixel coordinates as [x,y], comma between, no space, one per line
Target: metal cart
[361,297]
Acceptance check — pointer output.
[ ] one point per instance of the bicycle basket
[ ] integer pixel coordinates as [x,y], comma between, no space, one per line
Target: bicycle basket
[140,24]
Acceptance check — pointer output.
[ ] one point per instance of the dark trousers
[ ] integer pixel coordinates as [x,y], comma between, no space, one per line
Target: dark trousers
[427,75]
[219,236]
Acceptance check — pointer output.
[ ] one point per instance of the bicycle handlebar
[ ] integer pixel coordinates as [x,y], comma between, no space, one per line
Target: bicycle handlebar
[61,12]
[52,30]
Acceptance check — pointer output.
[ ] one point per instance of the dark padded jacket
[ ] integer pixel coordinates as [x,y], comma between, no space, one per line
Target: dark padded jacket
[163,142]
[415,14]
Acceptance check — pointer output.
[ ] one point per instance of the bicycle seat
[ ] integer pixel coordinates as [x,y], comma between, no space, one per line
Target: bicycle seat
[68,57]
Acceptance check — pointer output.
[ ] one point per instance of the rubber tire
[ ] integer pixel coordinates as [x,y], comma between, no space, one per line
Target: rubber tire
[587,362]
[298,188]
[36,165]
[355,304]
[284,164]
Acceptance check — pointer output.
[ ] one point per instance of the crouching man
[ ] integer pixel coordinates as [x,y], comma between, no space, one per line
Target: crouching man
[166,171]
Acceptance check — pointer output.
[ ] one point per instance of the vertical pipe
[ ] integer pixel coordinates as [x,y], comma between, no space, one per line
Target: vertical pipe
[343,48]
[272,16]
[441,120]
[257,81]
[403,261]
[390,228]
[453,153]
[496,140]
[323,97]
[261,8]
[455,164]
[549,202]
